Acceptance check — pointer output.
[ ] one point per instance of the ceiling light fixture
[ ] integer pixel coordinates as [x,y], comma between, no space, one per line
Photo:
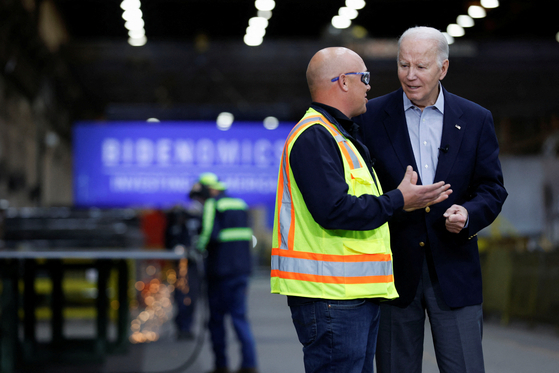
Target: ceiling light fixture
[476,11]
[340,22]
[130,4]
[455,30]
[347,13]
[271,123]
[490,4]
[465,21]
[224,121]
[265,4]
[355,4]
[257,25]
[134,22]
[449,39]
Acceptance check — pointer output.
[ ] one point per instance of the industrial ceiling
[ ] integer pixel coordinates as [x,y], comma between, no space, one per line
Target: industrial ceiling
[195,63]
[183,20]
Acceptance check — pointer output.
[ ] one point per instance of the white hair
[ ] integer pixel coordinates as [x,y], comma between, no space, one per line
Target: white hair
[429,33]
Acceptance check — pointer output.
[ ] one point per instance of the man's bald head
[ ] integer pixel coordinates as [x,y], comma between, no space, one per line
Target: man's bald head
[329,63]
[348,94]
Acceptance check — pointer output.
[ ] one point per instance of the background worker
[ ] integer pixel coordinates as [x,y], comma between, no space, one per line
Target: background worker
[182,229]
[226,239]
[436,259]
[331,251]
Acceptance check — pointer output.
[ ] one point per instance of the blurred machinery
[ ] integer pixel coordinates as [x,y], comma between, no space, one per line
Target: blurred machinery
[65,228]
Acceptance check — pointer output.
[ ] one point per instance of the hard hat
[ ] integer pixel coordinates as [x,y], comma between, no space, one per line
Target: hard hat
[210,180]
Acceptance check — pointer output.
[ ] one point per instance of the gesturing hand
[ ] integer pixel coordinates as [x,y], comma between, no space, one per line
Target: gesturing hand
[420,196]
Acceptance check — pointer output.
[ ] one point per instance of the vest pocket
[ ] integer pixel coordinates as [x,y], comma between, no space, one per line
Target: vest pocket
[364,247]
[362,182]
[362,176]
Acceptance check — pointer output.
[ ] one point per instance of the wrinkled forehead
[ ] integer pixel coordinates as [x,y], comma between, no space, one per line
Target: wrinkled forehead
[418,50]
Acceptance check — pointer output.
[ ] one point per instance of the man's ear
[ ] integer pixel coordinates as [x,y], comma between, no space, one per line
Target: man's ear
[343,82]
[444,69]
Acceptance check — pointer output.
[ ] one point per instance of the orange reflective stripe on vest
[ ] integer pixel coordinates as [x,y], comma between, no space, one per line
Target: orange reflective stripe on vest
[348,269]
[283,197]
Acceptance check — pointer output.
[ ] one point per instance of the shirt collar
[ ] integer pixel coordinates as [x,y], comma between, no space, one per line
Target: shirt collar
[439,104]
[339,117]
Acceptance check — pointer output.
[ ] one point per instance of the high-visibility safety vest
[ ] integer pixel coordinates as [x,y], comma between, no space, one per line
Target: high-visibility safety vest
[226,236]
[310,261]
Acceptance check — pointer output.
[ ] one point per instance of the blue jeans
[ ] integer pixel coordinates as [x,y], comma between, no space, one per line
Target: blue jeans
[228,296]
[337,335]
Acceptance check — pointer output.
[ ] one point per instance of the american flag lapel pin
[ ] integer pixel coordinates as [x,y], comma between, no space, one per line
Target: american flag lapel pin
[457,126]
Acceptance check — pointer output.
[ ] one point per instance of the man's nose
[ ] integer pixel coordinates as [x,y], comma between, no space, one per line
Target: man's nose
[411,73]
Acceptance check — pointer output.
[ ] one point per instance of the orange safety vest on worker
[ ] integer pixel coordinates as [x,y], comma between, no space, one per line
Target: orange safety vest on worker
[310,261]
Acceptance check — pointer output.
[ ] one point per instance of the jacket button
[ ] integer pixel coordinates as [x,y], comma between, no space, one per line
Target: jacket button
[427,209]
[422,244]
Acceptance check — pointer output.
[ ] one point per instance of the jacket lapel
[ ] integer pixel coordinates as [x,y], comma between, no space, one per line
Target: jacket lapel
[453,133]
[395,126]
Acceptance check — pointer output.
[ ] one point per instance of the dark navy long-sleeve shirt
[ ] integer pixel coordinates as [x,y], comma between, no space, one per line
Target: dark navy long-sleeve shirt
[318,169]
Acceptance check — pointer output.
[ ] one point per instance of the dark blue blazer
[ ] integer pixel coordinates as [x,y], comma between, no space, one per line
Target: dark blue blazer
[468,162]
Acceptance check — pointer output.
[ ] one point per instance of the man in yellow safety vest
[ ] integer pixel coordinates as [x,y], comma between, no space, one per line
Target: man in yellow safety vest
[331,246]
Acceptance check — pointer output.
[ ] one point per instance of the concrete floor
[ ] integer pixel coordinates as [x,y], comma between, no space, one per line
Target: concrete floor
[508,349]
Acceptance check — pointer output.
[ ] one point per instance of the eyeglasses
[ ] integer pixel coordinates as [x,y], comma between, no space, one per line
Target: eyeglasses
[365,77]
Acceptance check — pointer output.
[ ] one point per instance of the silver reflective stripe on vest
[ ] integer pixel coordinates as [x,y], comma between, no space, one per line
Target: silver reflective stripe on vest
[312,119]
[235,234]
[354,160]
[225,204]
[335,269]
[286,200]
[285,211]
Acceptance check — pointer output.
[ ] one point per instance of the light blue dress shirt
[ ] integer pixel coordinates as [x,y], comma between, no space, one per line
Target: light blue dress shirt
[425,128]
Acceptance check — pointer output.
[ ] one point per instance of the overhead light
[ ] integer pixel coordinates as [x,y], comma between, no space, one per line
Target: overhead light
[455,30]
[265,4]
[135,24]
[355,4]
[258,22]
[340,22]
[476,11]
[137,42]
[135,34]
[465,21]
[349,13]
[253,40]
[130,4]
[225,120]
[257,25]
[271,123]
[264,14]
[256,31]
[132,14]
[490,4]
[449,39]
